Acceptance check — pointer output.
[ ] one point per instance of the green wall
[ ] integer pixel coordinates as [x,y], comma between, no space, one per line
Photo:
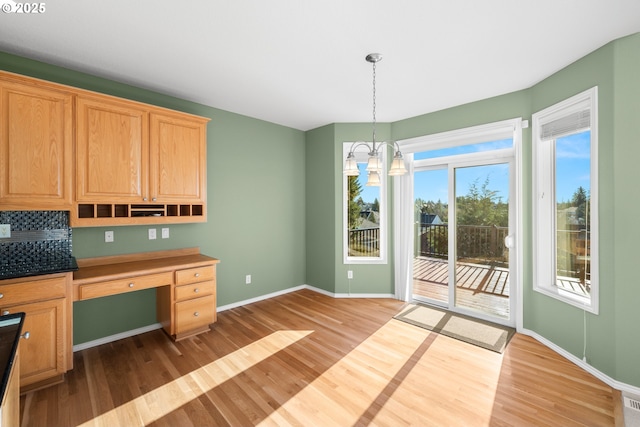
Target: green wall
[256,209]
[623,217]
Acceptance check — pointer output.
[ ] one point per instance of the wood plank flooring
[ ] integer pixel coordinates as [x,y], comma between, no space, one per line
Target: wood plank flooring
[305,359]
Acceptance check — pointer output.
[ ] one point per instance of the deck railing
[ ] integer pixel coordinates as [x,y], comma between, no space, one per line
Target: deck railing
[364,242]
[475,242]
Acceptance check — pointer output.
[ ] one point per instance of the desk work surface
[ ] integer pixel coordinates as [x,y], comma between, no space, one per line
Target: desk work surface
[92,270]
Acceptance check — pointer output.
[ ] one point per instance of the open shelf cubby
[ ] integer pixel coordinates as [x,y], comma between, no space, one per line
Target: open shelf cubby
[123,213]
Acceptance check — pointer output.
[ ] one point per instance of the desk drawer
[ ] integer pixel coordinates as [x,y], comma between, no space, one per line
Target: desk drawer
[195,290]
[197,274]
[119,286]
[33,290]
[194,314]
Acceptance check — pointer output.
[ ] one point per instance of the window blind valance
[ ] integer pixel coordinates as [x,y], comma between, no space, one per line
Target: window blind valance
[566,125]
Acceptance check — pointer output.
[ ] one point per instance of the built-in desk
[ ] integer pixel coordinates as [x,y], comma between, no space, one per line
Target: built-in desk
[184,279]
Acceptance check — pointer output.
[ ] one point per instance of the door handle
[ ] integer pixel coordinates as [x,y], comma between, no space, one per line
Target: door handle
[508,241]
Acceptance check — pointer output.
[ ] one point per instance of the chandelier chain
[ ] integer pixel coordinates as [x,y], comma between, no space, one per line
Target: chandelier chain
[374,106]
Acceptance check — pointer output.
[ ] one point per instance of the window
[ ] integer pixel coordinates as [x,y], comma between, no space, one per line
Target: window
[364,213]
[565,140]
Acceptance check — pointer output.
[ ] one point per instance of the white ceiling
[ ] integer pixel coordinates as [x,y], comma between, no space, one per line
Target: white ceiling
[300,63]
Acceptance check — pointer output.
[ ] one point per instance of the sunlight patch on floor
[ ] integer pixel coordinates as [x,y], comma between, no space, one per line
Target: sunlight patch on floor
[166,399]
[365,381]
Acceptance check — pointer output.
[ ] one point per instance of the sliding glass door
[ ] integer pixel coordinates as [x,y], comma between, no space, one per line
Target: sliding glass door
[462,233]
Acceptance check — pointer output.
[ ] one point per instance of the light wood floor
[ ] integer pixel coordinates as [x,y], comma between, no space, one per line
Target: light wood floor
[305,359]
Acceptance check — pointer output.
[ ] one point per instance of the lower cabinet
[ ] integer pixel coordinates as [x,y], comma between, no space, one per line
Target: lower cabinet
[45,350]
[190,307]
[42,353]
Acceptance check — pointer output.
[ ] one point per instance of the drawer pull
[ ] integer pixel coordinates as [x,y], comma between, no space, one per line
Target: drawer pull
[4,313]
[131,285]
[1,295]
[196,290]
[196,314]
[26,335]
[197,275]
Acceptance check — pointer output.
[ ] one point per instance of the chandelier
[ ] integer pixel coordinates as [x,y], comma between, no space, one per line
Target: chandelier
[374,164]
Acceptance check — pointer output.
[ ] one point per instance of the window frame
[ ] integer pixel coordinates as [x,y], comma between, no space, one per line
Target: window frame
[361,154]
[545,203]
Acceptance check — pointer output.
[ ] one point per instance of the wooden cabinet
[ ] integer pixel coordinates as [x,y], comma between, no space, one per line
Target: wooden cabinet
[46,355]
[178,162]
[112,148]
[137,164]
[195,301]
[108,160]
[36,123]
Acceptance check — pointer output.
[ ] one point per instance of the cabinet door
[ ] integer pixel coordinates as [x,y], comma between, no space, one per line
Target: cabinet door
[42,355]
[35,146]
[111,150]
[178,158]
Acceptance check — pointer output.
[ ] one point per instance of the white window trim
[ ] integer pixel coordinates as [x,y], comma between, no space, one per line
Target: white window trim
[544,250]
[361,154]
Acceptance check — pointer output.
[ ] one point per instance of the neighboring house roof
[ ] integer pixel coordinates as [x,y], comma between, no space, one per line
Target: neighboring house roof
[426,218]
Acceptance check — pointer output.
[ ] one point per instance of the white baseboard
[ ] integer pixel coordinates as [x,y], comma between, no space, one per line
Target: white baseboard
[582,364]
[297,288]
[116,337]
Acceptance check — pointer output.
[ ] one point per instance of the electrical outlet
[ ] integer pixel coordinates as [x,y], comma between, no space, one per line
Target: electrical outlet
[5,231]
[108,236]
[247,279]
[165,233]
[152,234]
[349,274]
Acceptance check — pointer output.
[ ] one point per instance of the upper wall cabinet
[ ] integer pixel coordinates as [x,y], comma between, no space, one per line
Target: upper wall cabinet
[137,164]
[127,162]
[112,147]
[36,131]
[178,158]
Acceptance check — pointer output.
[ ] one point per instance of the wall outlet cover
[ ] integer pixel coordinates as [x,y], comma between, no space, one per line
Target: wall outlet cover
[152,234]
[5,231]
[165,233]
[108,236]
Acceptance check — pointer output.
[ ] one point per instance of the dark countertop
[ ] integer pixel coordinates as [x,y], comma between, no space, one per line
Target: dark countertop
[10,330]
[10,269]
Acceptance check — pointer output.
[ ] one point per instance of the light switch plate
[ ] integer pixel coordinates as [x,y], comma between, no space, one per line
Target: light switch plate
[108,236]
[5,231]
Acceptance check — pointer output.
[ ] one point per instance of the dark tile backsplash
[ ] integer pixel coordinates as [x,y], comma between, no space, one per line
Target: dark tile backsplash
[40,243]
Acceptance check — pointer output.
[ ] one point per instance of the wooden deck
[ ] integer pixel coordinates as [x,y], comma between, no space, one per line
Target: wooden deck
[480,287]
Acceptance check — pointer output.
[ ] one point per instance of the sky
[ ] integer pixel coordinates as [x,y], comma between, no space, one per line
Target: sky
[572,171]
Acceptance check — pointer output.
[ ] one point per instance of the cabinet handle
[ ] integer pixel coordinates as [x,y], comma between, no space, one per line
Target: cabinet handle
[154,199]
[131,285]
[26,335]
[4,313]
[1,295]
[196,290]
[144,199]
[196,314]
[197,275]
